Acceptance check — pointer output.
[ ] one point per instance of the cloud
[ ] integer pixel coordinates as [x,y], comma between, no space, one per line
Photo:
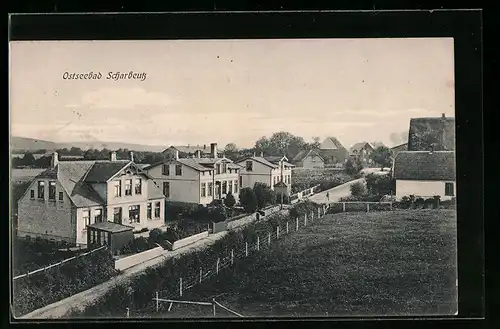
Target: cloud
[122,98]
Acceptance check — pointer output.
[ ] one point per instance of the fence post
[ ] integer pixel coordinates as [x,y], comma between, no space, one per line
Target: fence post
[312,215]
[213,305]
[390,205]
[297,224]
[367,207]
[217,267]
[258,242]
[305,219]
[157,302]
[277,232]
[246,249]
[128,312]
[180,287]
[343,206]
[201,274]
[232,256]
[286,227]
[319,212]
[269,238]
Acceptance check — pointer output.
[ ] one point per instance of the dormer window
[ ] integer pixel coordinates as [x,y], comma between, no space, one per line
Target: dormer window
[249,165]
[41,190]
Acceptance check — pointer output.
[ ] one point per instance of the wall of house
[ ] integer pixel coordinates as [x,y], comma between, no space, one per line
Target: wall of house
[46,219]
[276,175]
[208,178]
[260,173]
[423,189]
[183,188]
[312,161]
[81,229]
[123,177]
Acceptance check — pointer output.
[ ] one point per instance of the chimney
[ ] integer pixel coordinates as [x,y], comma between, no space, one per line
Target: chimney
[176,154]
[112,156]
[55,160]
[198,154]
[204,146]
[131,156]
[443,116]
[213,150]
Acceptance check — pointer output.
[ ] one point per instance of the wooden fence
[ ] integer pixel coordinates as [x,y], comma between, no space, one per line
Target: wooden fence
[367,203]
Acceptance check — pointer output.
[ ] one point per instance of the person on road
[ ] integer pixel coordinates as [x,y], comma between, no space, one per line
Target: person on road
[328,195]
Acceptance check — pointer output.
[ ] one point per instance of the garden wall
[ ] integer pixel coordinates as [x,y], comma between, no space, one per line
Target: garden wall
[189,240]
[129,261]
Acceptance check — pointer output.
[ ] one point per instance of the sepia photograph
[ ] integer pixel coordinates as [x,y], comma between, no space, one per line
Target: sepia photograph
[237,178]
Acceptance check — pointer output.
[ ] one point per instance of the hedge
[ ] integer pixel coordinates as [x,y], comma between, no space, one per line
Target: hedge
[43,288]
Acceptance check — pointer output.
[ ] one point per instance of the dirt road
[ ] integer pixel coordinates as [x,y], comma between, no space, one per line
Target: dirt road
[335,193]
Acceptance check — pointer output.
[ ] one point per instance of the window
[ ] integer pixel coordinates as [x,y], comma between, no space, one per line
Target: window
[128,187]
[448,189]
[178,170]
[86,217]
[117,215]
[138,186]
[224,168]
[41,190]
[98,216]
[32,194]
[241,181]
[249,166]
[104,237]
[165,170]
[157,209]
[210,189]
[235,186]
[203,190]
[224,187]
[118,188]
[230,188]
[217,168]
[52,191]
[134,214]
[150,211]
[166,189]
[61,196]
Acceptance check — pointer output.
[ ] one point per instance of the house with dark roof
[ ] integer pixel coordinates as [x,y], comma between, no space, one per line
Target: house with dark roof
[308,159]
[361,151]
[197,179]
[269,170]
[62,201]
[425,174]
[438,132]
[332,151]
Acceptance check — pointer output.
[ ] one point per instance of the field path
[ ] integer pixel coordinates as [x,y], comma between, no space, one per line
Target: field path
[335,193]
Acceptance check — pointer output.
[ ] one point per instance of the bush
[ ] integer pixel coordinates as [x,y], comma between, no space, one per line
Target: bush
[302,208]
[248,200]
[358,189]
[229,201]
[218,214]
[419,202]
[353,167]
[264,195]
[155,236]
[175,211]
[380,184]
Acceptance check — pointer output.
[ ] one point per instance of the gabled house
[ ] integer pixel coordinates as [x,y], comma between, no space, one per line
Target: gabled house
[269,170]
[425,174]
[308,159]
[197,179]
[332,151]
[361,151]
[62,201]
[187,151]
[438,132]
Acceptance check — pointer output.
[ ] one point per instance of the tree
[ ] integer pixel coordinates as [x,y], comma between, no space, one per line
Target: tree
[265,196]
[315,145]
[382,156]
[248,200]
[353,166]
[230,148]
[229,201]
[28,160]
[380,184]
[358,189]
[281,143]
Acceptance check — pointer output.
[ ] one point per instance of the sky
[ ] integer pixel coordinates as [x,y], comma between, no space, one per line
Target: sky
[203,91]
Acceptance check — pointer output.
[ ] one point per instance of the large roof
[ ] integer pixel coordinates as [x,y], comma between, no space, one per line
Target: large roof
[265,161]
[424,165]
[360,145]
[199,164]
[190,148]
[304,154]
[331,143]
[77,177]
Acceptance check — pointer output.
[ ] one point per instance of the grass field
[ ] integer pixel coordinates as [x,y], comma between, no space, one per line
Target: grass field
[24,175]
[348,264]
[305,178]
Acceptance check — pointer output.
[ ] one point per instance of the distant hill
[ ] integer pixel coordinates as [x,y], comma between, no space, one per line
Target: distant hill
[30,144]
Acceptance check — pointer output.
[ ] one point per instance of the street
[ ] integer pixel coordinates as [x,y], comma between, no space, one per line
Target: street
[335,193]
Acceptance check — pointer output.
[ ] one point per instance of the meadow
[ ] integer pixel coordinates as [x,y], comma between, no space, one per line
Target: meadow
[346,264]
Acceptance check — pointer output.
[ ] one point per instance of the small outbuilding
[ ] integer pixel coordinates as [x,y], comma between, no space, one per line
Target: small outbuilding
[114,235]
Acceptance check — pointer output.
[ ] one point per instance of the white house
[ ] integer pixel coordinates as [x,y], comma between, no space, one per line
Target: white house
[197,179]
[63,200]
[268,170]
[308,159]
[425,174]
